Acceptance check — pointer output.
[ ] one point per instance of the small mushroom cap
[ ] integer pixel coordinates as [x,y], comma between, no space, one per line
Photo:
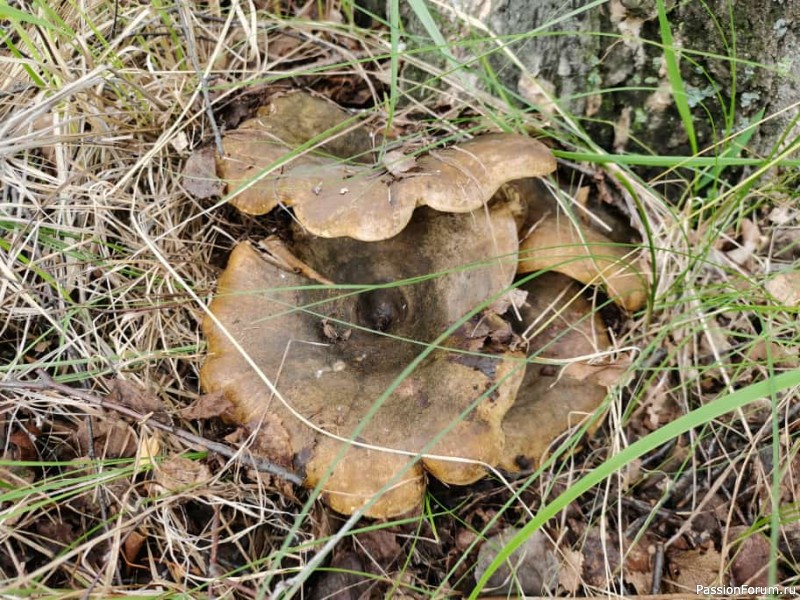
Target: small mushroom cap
[586,256]
[285,123]
[334,353]
[336,198]
[550,401]
[333,200]
[465,177]
[297,117]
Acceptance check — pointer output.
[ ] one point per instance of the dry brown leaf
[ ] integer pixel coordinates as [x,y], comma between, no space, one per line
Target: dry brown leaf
[659,406]
[113,438]
[209,406]
[638,570]
[178,473]
[751,241]
[56,534]
[21,446]
[513,298]
[135,397]
[132,546]
[538,91]
[569,575]
[785,287]
[777,353]
[750,564]
[272,439]
[342,580]
[601,558]
[691,568]
[381,545]
[532,569]
[149,448]
[200,178]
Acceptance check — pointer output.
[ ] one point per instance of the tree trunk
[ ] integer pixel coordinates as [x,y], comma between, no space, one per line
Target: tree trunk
[605,63]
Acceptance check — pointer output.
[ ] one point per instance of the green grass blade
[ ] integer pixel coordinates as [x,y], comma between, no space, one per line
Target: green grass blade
[674,75]
[660,160]
[20,16]
[424,15]
[650,442]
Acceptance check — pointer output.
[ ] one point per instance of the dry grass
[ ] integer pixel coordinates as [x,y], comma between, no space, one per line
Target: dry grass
[106,264]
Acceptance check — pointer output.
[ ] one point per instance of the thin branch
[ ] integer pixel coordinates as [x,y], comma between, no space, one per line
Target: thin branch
[45,382]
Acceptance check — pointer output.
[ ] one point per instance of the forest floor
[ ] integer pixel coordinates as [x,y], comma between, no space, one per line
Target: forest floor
[119,475]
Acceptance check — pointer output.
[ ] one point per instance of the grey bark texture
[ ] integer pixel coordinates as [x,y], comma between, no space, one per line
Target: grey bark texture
[604,63]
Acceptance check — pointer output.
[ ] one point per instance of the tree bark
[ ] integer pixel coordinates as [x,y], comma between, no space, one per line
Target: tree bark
[604,62]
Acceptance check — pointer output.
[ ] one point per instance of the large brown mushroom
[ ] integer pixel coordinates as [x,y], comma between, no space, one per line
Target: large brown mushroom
[339,356]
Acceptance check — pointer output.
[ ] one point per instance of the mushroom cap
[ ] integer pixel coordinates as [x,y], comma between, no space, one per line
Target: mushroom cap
[464,177]
[550,401]
[333,353]
[337,198]
[334,200]
[586,256]
[285,123]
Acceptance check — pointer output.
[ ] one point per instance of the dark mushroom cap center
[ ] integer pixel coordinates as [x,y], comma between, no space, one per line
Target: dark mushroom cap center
[382,309]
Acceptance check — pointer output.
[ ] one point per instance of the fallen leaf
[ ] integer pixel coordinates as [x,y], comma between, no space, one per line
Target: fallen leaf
[532,569]
[200,175]
[785,287]
[569,575]
[380,545]
[132,546]
[136,397]
[56,535]
[209,406]
[777,353]
[272,440]
[538,92]
[601,558]
[21,446]
[112,437]
[513,298]
[637,565]
[690,568]
[149,448]
[342,580]
[178,473]
[751,241]
[751,561]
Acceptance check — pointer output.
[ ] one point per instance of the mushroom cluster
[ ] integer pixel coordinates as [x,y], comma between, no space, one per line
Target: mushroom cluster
[380,316]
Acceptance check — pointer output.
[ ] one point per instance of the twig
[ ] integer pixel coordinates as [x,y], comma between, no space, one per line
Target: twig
[262,465]
[658,569]
[191,50]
